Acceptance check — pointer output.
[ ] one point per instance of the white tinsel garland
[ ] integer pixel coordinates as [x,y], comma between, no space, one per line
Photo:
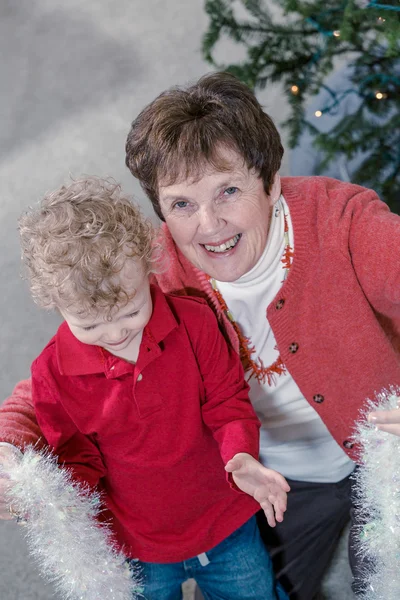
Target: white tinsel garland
[378,489]
[73,550]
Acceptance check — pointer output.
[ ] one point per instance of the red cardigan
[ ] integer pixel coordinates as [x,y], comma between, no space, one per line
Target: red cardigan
[341,304]
[153,434]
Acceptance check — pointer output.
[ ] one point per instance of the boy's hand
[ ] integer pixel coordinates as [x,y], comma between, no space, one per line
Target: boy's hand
[267,487]
[8,456]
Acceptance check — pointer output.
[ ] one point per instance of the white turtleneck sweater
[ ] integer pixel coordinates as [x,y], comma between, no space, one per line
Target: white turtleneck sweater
[293,438]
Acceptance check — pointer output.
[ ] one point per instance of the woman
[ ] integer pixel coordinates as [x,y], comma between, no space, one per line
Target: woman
[304,276]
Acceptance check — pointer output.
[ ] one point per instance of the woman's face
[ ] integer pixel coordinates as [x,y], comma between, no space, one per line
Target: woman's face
[220,222]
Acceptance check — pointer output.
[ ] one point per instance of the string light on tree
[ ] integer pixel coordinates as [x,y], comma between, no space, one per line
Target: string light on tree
[318,113]
[380,95]
[336,33]
[294,89]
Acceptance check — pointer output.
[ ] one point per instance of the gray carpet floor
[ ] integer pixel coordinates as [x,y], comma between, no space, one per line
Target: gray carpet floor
[73,75]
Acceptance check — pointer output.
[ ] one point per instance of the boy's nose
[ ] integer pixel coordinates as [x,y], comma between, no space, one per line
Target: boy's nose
[117,334]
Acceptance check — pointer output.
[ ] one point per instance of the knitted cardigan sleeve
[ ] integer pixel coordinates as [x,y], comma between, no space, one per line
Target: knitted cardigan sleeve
[18,424]
[374,242]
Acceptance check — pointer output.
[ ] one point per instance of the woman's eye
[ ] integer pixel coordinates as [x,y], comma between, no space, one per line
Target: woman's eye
[231,190]
[181,204]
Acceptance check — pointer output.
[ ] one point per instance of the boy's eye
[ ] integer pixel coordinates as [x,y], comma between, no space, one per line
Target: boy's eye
[231,190]
[89,327]
[133,314]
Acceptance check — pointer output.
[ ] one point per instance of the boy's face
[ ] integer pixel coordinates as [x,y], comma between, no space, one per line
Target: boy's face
[123,332]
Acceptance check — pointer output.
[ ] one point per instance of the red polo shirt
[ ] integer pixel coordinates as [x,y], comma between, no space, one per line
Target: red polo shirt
[158,433]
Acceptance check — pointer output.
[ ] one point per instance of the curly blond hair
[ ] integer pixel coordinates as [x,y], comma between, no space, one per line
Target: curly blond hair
[76,242]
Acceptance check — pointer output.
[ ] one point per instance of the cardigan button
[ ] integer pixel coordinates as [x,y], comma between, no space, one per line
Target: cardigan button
[139,377]
[347,444]
[280,304]
[293,348]
[318,398]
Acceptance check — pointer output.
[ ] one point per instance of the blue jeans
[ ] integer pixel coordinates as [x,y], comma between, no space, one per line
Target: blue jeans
[239,568]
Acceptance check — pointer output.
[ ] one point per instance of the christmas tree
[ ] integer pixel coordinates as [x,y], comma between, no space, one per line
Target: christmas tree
[300,48]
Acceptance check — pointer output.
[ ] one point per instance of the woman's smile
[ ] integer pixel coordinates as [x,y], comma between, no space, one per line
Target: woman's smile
[223,247]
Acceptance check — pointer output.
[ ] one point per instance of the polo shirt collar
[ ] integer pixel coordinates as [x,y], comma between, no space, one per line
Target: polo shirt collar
[76,358]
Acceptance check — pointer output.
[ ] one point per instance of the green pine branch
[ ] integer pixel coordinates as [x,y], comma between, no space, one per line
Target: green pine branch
[300,48]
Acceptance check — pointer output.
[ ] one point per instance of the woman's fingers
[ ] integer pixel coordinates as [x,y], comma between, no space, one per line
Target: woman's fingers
[393,429]
[9,456]
[386,420]
[384,416]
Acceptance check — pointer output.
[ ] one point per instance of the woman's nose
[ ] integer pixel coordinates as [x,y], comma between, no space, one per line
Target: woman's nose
[210,221]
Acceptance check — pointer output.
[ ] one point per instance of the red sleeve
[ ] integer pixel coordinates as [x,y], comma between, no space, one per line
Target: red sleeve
[18,424]
[75,450]
[374,243]
[227,410]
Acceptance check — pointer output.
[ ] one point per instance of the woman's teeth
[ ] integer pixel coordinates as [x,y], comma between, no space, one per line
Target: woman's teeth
[225,246]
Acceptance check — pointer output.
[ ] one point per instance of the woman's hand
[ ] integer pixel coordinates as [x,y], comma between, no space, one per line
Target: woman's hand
[8,456]
[386,420]
[267,487]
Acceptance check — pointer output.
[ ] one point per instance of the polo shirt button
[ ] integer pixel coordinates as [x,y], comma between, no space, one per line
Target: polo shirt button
[318,398]
[280,304]
[347,444]
[139,377]
[293,348]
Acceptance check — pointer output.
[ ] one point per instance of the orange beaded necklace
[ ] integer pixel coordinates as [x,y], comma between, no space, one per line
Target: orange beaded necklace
[256,367]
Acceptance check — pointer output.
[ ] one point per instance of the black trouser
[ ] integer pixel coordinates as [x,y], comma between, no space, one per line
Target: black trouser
[302,546]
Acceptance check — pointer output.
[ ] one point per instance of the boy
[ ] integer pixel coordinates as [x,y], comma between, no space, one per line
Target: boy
[139,395]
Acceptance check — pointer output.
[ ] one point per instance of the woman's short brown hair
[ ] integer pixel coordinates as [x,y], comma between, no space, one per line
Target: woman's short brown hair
[76,241]
[180,132]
